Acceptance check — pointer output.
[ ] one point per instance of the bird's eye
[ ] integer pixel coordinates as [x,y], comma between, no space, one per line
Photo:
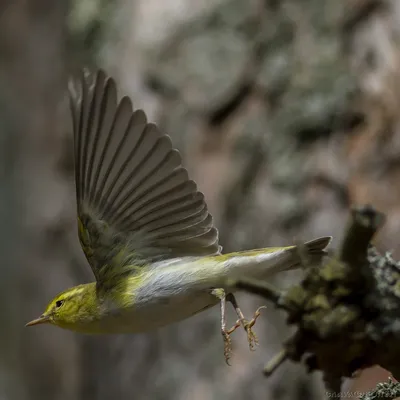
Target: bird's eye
[59,303]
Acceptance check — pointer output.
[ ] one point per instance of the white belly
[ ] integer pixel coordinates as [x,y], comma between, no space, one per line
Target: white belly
[150,316]
[169,295]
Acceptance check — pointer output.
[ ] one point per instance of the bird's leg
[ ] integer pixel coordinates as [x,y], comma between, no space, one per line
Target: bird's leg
[220,294]
[247,325]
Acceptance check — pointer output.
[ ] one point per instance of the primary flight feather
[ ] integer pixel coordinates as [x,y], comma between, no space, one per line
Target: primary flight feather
[145,228]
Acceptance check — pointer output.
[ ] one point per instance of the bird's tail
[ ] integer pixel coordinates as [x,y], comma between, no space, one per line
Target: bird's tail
[310,252]
[262,263]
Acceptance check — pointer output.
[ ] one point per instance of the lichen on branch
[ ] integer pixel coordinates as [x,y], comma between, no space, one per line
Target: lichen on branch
[347,310]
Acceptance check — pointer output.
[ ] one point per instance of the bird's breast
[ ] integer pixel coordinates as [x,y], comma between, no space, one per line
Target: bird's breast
[165,295]
[156,313]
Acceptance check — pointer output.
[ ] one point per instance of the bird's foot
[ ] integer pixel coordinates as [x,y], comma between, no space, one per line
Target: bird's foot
[227,341]
[248,325]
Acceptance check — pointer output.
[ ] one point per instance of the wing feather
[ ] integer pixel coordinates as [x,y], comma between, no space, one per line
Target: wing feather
[134,197]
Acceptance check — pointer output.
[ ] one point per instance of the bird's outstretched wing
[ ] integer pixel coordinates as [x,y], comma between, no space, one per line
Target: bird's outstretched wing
[136,203]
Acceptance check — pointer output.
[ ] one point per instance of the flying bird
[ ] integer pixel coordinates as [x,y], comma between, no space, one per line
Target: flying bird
[145,228]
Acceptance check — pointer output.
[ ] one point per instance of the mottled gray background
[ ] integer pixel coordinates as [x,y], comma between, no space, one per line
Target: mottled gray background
[286,113]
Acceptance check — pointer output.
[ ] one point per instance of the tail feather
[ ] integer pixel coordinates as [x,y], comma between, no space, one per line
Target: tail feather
[318,245]
[262,263]
[313,251]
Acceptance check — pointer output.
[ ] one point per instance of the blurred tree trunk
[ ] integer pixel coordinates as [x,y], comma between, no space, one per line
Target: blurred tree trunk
[37,200]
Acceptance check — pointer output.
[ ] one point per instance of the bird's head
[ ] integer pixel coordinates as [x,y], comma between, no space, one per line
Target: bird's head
[70,309]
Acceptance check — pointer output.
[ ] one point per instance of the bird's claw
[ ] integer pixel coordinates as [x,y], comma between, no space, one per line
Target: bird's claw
[227,347]
[228,342]
[251,338]
[248,325]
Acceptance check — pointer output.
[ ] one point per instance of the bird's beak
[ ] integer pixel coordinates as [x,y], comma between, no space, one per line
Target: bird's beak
[43,319]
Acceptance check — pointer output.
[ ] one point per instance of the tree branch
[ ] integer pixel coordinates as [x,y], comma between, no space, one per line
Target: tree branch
[347,311]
